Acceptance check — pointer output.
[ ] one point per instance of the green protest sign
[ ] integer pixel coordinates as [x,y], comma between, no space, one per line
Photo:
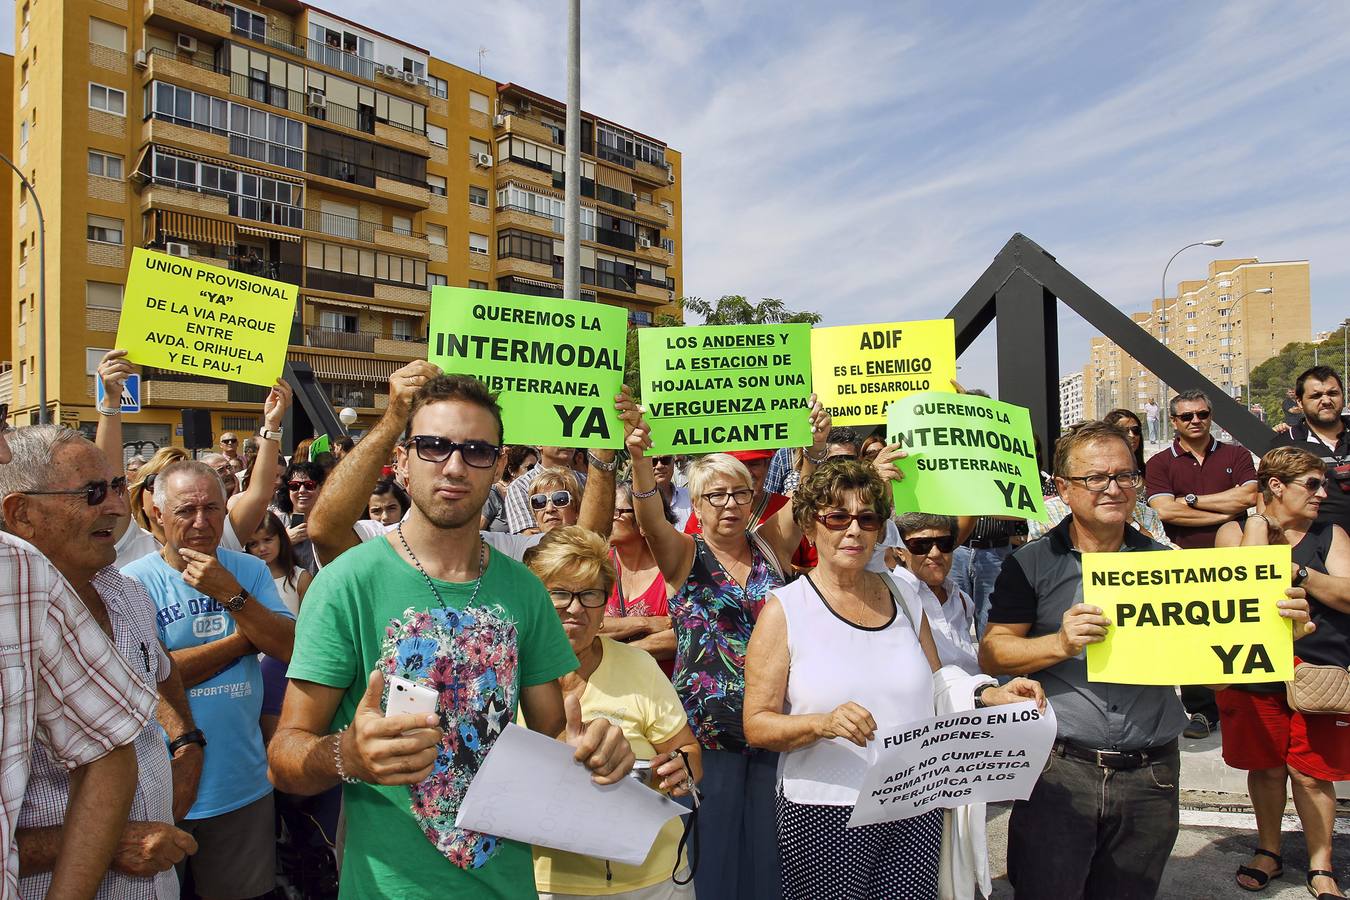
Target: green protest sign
[968,456]
[556,364]
[715,388]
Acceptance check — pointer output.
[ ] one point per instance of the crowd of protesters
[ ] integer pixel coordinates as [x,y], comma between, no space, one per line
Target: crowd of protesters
[198,652]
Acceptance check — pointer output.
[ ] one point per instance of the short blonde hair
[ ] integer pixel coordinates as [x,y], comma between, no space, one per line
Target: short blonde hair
[163,458]
[572,552]
[1286,464]
[559,479]
[706,469]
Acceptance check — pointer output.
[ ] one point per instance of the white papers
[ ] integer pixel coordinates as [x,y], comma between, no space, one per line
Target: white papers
[980,756]
[530,789]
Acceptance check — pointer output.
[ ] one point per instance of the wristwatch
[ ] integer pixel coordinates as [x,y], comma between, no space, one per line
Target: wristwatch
[269,435]
[979,698]
[1300,576]
[1191,500]
[194,736]
[236,603]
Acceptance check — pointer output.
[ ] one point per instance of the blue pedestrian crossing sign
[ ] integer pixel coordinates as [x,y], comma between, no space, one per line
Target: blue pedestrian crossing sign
[131,394]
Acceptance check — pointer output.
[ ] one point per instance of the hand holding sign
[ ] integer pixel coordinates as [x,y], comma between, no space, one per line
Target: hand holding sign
[1082,625]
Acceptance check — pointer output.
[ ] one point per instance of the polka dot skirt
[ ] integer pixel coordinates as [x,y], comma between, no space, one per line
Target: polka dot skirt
[823,859]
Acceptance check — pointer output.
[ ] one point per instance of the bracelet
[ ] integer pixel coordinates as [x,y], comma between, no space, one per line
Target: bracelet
[1271,527]
[187,738]
[602,466]
[337,758]
[107,412]
[815,460]
[643,495]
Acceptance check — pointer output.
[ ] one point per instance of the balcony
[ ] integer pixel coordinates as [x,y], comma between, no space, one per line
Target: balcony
[343,227]
[402,294]
[199,18]
[508,216]
[403,348]
[404,139]
[165,65]
[655,253]
[337,339]
[282,39]
[260,91]
[649,291]
[339,283]
[418,196]
[159,131]
[529,128]
[163,195]
[508,265]
[650,173]
[652,212]
[402,241]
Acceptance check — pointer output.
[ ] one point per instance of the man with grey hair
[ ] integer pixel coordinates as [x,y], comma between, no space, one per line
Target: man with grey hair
[927,543]
[217,609]
[61,494]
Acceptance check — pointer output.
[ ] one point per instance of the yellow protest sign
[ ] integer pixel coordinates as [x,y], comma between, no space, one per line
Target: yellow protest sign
[188,317]
[1191,616]
[859,370]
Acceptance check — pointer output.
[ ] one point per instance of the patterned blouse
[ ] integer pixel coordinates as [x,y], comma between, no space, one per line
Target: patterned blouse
[713,617]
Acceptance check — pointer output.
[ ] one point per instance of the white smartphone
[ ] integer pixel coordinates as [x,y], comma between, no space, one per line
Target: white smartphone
[407,698]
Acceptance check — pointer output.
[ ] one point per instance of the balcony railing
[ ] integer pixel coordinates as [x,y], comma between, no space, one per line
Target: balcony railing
[338,226]
[156,52]
[338,58]
[276,38]
[267,268]
[356,173]
[338,339]
[294,101]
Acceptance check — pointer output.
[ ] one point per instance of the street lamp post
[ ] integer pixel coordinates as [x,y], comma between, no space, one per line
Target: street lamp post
[1345,348]
[43,417]
[1246,342]
[1162,317]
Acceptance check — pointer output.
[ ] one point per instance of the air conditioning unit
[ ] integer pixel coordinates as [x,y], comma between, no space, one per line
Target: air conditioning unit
[187,43]
[141,59]
[316,99]
[645,243]
[177,248]
[499,121]
[483,159]
[670,177]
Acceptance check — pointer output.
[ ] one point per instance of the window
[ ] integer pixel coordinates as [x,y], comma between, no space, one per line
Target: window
[102,295]
[402,329]
[401,270]
[436,134]
[436,235]
[105,230]
[92,357]
[438,87]
[476,147]
[107,34]
[478,101]
[436,184]
[250,196]
[105,165]
[23,371]
[401,224]
[525,245]
[23,133]
[107,99]
[478,196]
[434,279]
[253,133]
[23,311]
[478,285]
[335,321]
[478,243]
[414,67]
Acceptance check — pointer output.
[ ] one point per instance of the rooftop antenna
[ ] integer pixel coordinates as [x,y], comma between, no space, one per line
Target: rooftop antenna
[482,52]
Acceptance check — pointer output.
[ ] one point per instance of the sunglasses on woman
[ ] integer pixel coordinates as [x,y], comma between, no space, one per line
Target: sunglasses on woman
[594,598]
[557,498]
[436,449]
[922,546]
[1311,485]
[306,484]
[95,492]
[840,520]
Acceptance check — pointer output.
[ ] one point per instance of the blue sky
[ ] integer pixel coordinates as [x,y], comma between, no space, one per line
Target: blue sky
[867,160]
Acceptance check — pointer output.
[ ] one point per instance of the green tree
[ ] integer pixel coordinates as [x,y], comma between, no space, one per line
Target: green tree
[1276,375]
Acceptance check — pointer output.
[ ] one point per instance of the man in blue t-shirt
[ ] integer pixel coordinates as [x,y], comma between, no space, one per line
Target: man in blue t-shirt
[217,610]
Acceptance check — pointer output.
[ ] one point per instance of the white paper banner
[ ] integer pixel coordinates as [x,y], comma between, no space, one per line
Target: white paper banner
[529,789]
[980,756]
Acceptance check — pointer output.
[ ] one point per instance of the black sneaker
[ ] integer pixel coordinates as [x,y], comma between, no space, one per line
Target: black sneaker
[1198,727]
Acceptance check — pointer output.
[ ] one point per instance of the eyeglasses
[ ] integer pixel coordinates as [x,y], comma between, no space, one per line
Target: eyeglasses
[592,598]
[1131,429]
[840,520]
[1201,414]
[435,449]
[557,498]
[621,511]
[224,441]
[1311,485]
[720,499]
[306,484]
[95,492]
[1098,482]
[148,482]
[663,460]
[921,546]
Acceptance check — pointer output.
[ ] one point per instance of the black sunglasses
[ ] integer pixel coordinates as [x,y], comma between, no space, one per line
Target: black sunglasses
[229,440]
[662,460]
[95,492]
[1202,415]
[839,520]
[1312,485]
[306,484]
[559,498]
[922,546]
[435,449]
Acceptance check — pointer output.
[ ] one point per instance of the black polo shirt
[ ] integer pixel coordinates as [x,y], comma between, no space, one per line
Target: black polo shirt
[1175,472]
[1336,508]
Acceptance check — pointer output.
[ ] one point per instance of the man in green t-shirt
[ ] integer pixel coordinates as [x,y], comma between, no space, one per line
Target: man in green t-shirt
[432,603]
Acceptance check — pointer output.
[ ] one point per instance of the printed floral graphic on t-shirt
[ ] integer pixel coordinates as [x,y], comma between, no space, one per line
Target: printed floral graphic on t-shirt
[470,658]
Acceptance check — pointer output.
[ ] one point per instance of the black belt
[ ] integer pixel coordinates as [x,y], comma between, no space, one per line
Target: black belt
[1115,759]
[987,543]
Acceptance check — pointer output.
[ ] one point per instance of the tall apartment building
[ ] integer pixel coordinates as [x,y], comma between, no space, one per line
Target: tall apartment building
[1071,399]
[271,137]
[1224,326]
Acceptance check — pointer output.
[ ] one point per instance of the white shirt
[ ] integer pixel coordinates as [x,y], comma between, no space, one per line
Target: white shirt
[952,623]
[512,545]
[134,543]
[682,504]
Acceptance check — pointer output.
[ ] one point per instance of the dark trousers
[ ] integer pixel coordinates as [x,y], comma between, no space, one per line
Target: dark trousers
[1200,700]
[737,843]
[1094,833]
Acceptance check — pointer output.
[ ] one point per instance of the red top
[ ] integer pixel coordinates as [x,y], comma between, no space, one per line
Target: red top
[1175,472]
[651,602]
